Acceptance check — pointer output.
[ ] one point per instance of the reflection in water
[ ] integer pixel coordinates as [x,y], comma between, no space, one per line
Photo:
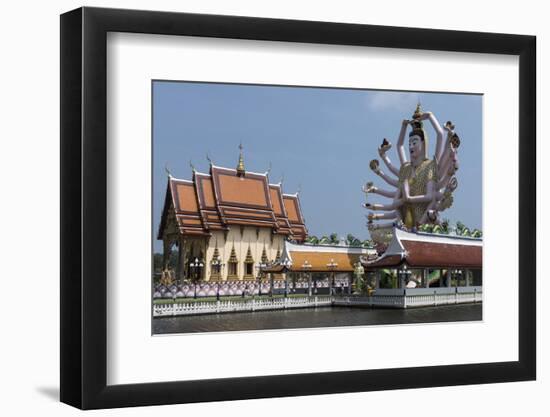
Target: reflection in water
[319,317]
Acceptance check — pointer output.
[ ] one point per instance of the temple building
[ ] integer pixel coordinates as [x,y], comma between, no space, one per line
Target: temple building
[332,267]
[424,260]
[227,224]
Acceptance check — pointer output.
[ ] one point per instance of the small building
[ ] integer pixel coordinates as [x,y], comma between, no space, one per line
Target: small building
[327,268]
[423,260]
[227,223]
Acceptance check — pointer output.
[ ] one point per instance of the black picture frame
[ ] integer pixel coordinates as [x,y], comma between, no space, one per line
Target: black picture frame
[84,207]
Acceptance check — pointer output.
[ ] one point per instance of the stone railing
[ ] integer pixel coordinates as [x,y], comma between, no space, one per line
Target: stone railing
[184,309]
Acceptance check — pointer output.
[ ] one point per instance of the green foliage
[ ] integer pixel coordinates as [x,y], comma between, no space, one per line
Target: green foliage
[388,279]
[437,229]
[444,228]
[314,240]
[333,239]
[324,241]
[476,233]
[158,259]
[426,228]
[353,241]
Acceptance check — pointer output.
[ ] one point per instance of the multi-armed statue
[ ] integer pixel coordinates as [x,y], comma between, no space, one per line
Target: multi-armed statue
[423,187]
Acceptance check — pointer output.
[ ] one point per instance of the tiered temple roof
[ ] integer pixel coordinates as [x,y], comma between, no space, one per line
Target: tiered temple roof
[423,250]
[226,197]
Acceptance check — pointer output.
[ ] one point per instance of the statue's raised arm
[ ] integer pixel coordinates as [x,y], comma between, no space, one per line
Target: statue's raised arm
[438,131]
[400,141]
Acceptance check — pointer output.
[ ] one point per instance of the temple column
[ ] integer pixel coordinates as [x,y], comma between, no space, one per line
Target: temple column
[180,272]
[400,279]
[377,280]
[426,273]
[167,251]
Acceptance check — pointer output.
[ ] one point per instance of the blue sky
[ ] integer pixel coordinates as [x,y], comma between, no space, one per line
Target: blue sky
[320,139]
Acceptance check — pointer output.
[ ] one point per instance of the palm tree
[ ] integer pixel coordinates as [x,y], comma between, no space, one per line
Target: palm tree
[459,228]
[324,241]
[426,228]
[353,241]
[333,238]
[476,233]
[314,240]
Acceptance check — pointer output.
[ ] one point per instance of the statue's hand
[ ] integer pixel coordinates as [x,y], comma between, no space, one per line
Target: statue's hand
[375,165]
[425,116]
[384,147]
[449,126]
[369,187]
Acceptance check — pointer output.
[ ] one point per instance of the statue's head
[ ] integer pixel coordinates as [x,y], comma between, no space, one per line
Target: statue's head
[416,146]
[418,141]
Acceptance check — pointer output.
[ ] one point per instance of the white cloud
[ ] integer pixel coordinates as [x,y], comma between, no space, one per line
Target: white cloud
[392,100]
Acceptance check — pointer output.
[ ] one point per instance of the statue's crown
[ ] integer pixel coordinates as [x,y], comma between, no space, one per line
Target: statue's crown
[416,123]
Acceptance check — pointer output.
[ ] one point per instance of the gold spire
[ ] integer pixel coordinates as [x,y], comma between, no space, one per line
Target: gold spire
[233,255]
[216,254]
[249,259]
[240,165]
[418,112]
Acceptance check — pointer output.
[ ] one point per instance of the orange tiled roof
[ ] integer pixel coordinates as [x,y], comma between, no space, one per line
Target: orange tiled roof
[319,260]
[294,213]
[222,198]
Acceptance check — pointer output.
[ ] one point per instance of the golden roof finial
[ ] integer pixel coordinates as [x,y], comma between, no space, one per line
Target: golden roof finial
[418,112]
[240,165]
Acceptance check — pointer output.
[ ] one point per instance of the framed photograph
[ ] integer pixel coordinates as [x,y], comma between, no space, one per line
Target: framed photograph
[257,208]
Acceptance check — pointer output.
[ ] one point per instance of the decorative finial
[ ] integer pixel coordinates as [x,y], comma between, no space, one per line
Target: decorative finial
[268,169]
[240,165]
[208,158]
[167,171]
[299,189]
[282,179]
[192,166]
[418,112]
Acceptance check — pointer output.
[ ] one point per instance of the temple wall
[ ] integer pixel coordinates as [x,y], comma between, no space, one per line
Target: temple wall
[249,237]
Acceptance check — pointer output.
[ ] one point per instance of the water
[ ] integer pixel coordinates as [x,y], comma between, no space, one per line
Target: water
[313,318]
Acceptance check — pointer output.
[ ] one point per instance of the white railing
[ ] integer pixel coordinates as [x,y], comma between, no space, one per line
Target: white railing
[184,309]
[392,299]
[421,297]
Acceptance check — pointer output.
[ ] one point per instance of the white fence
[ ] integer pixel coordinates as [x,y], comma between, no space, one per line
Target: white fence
[184,309]
[390,298]
[415,297]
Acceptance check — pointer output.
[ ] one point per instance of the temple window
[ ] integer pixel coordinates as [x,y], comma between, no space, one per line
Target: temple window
[216,265]
[232,265]
[249,265]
